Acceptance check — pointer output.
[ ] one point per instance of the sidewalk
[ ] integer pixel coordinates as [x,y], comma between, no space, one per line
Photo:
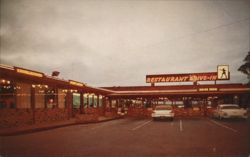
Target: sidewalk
[47,126]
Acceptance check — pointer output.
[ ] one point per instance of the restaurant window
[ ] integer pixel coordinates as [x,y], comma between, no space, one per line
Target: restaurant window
[76,100]
[113,103]
[39,97]
[91,100]
[23,95]
[100,100]
[61,98]
[50,98]
[85,100]
[95,100]
[7,94]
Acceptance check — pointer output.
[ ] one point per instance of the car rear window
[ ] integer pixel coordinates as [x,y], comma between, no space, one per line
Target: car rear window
[163,108]
[230,107]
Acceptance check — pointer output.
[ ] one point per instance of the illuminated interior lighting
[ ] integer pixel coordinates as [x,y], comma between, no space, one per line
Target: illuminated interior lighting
[27,72]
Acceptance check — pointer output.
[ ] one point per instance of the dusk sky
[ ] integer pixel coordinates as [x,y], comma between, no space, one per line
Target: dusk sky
[117,43]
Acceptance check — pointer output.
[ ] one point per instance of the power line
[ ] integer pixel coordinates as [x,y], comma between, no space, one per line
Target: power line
[197,33]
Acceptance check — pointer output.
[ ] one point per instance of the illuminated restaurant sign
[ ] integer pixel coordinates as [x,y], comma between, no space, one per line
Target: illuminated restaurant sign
[191,77]
[76,83]
[223,72]
[28,72]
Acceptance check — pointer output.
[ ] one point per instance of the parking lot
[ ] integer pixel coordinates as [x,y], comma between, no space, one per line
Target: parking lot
[136,138]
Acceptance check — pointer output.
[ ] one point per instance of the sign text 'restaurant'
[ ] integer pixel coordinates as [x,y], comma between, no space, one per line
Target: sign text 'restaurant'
[182,77]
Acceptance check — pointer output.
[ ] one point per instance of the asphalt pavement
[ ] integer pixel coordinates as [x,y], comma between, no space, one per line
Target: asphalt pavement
[199,137]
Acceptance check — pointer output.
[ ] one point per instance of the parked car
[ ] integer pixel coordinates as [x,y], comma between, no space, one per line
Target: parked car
[163,112]
[230,111]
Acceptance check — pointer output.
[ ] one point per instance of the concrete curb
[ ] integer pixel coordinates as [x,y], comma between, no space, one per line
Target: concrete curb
[38,129]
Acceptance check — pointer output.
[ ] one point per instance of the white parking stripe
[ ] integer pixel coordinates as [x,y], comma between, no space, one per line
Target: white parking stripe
[224,126]
[141,125]
[181,128]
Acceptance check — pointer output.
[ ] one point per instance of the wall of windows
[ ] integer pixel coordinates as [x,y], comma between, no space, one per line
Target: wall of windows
[7,94]
[23,95]
[100,100]
[85,100]
[76,100]
[39,98]
[95,100]
[61,98]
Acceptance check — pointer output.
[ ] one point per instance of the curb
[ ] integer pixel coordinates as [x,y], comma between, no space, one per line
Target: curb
[97,121]
[33,130]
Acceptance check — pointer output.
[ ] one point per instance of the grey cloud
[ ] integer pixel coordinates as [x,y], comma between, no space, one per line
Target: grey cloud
[106,43]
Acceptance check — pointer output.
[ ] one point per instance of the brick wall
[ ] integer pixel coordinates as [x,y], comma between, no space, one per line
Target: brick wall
[50,115]
[25,117]
[15,117]
[89,115]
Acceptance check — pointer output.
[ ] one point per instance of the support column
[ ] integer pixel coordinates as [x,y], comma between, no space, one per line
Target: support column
[110,102]
[69,103]
[98,101]
[56,97]
[81,103]
[104,104]
[33,104]
[93,100]
[116,103]
[87,101]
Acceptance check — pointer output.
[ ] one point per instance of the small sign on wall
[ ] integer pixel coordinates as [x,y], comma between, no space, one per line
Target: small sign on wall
[223,72]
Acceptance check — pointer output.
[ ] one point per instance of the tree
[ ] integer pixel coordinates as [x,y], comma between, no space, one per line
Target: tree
[245,68]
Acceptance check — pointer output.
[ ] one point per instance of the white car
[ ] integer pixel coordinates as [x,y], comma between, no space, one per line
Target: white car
[230,111]
[163,111]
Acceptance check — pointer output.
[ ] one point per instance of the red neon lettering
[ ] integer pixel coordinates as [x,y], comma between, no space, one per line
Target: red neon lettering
[167,79]
[172,79]
[148,80]
[176,79]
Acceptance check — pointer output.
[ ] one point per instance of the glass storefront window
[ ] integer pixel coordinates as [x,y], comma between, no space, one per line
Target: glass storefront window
[90,100]
[7,94]
[85,100]
[39,98]
[50,98]
[61,98]
[95,100]
[76,100]
[100,100]
[23,95]
[113,103]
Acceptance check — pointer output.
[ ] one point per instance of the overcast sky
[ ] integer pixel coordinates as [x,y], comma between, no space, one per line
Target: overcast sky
[117,43]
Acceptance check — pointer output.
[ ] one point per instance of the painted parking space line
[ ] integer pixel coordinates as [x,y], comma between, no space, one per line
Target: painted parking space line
[181,127]
[141,125]
[223,125]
